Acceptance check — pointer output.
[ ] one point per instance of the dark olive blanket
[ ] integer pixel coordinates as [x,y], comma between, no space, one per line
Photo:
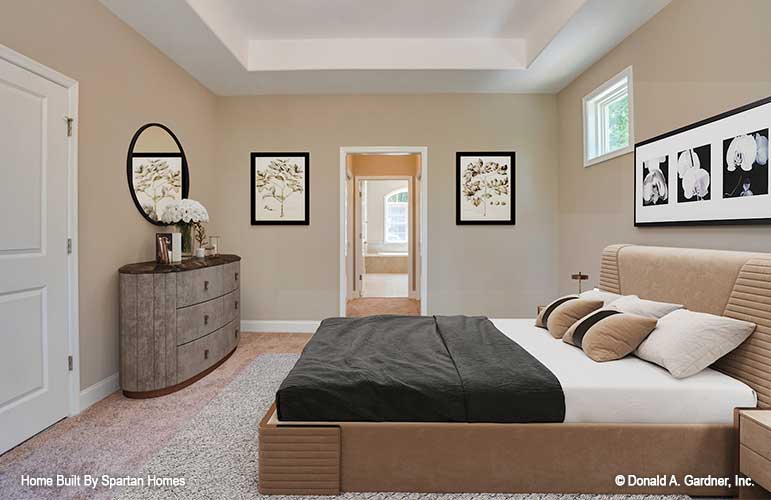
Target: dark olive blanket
[418,369]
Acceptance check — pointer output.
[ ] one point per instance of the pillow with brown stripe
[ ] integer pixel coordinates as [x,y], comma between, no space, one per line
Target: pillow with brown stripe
[566,314]
[543,316]
[608,334]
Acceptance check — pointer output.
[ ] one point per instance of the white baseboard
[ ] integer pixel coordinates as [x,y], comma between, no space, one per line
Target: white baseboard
[279,326]
[98,391]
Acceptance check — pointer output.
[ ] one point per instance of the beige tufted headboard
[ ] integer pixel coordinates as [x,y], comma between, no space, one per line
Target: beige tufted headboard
[732,284]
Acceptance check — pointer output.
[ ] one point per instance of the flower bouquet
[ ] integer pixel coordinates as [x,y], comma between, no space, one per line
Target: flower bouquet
[186,214]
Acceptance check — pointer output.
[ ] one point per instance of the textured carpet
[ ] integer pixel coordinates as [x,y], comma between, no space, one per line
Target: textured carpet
[216,452]
[117,436]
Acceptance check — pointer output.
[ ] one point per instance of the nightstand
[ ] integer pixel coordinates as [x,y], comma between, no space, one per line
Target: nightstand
[755,452]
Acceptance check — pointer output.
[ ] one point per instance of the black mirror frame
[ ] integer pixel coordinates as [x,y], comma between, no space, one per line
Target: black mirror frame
[129,167]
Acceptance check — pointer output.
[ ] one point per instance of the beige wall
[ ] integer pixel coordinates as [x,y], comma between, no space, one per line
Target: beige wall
[695,59]
[292,273]
[124,83]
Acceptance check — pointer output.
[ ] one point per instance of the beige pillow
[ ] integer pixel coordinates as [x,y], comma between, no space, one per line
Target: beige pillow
[540,321]
[632,304]
[686,342]
[597,294]
[606,334]
[567,313]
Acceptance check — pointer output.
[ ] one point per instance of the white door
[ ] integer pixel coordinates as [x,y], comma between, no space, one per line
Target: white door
[33,254]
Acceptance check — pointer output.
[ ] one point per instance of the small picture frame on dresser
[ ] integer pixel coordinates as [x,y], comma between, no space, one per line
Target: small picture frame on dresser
[163,248]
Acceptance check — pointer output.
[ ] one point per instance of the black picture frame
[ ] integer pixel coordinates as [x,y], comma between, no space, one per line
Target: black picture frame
[715,142]
[307,192]
[512,190]
[130,166]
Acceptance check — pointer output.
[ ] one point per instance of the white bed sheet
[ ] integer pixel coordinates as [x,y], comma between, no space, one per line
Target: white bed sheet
[629,390]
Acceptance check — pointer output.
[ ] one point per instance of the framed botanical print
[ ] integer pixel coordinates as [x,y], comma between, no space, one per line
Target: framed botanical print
[484,191]
[280,188]
[712,172]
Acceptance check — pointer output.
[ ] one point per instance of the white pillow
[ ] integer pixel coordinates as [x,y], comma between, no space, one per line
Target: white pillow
[597,294]
[686,342]
[632,304]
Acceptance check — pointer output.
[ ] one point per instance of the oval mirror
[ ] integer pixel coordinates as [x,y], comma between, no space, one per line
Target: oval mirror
[157,170]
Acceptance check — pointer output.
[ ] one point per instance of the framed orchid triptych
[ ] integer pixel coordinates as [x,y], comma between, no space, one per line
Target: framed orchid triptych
[484,191]
[711,172]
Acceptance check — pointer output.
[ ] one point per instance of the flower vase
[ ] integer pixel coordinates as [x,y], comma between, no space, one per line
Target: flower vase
[187,239]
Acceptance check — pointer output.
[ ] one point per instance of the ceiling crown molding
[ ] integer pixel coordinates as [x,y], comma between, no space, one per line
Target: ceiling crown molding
[248,47]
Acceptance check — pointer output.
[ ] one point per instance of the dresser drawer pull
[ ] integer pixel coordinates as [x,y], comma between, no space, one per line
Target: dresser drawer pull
[205,319]
[236,276]
[206,285]
[206,354]
[235,333]
[236,304]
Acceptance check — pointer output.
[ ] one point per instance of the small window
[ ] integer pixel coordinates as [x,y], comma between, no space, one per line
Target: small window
[608,119]
[396,214]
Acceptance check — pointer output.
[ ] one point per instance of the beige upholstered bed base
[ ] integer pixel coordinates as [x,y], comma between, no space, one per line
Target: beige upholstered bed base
[330,457]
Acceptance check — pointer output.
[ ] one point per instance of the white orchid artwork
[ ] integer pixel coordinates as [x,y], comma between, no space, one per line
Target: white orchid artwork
[156,182]
[655,181]
[745,171]
[693,172]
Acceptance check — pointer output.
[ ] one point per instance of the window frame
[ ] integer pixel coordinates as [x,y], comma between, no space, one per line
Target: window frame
[595,134]
[386,203]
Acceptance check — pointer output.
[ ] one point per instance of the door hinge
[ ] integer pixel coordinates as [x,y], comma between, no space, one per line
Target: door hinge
[69,246]
[69,125]
[69,363]
[360,277]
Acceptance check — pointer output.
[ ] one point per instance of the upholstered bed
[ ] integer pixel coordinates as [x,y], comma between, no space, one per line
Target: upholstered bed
[624,417]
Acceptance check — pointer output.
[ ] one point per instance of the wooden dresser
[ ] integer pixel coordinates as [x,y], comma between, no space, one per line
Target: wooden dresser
[178,322]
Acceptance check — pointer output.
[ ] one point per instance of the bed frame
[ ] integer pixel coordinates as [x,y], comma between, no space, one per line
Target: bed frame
[326,458]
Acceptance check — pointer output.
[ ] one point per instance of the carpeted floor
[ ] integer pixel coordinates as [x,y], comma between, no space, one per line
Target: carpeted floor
[206,434]
[117,436]
[216,452]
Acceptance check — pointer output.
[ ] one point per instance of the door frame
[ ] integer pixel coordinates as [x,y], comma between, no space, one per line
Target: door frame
[411,208]
[72,327]
[422,243]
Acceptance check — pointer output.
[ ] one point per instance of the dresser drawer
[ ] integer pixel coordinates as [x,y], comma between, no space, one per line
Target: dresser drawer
[755,467]
[232,334]
[198,355]
[755,436]
[232,306]
[199,285]
[194,322]
[231,276]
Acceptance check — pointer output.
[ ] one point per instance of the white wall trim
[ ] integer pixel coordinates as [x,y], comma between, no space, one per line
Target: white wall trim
[422,243]
[73,327]
[279,326]
[99,391]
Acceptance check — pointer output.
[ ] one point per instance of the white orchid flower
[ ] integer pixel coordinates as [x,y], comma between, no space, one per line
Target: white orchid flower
[687,160]
[655,187]
[762,143]
[741,153]
[696,183]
